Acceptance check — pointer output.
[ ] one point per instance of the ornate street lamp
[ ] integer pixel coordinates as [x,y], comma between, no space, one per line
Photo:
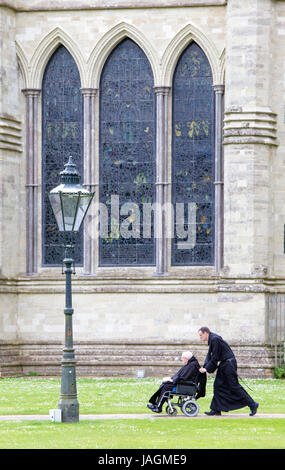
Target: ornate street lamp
[70,202]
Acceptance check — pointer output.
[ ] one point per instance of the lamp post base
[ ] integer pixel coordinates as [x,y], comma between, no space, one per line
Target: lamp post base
[70,410]
[68,403]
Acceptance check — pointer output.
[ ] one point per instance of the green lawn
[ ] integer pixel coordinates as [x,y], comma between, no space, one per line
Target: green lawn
[97,396]
[34,395]
[173,433]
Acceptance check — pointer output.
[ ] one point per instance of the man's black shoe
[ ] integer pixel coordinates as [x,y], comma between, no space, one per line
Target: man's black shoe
[151,407]
[157,410]
[154,408]
[253,408]
[213,413]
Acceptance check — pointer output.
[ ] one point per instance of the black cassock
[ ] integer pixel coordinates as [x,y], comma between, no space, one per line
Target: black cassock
[187,372]
[228,393]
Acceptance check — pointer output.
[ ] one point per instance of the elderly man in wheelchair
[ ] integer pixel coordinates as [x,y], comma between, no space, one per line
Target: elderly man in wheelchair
[188,384]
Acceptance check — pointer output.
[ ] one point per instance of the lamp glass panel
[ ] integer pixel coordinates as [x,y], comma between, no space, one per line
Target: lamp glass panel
[56,207]
[82,208]
[69,208]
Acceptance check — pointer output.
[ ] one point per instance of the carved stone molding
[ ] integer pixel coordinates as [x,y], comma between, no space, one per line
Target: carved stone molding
[32,183]
[10,133]
[250,126]
[162,183]
[177,45]
[43,52]
[109,41]
[89,96]
[219,177]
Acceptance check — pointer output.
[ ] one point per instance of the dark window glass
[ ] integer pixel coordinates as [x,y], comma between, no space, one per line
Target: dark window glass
[127,156]
[61,137]
[193,158]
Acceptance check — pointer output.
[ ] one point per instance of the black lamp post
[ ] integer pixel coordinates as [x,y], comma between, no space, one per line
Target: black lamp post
[70,202]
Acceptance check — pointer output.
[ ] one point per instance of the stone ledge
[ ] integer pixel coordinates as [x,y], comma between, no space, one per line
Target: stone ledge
[123,359]
[42,5]
[257,283]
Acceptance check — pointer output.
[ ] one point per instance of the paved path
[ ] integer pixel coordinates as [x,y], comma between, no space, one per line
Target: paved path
[139,416]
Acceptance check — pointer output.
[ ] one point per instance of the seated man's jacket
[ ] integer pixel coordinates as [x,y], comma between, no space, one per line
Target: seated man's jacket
[187,372]
[191,372]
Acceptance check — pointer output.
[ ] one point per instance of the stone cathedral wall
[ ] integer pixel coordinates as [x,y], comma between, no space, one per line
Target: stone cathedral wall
[122,310]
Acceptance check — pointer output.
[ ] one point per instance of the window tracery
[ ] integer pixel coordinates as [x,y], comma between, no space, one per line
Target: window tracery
[193,158]
[127,155]
[62,133]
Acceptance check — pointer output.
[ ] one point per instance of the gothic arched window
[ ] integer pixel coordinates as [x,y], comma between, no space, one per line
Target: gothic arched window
[62,134]
[193,159]
[127,156]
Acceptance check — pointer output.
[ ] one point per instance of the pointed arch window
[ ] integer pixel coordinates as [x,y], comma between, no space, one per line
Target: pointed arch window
[127,156]
[62,134]
[193,159]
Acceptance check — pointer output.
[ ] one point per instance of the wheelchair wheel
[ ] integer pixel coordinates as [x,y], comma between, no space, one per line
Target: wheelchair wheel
[171,412]
[190,408]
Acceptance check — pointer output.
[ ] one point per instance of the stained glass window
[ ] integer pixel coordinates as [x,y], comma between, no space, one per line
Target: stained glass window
[127,156]
[61,136]
[193,150]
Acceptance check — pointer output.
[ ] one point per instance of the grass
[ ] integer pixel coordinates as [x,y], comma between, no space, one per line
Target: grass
[151,433]
[96,396]
[99,396]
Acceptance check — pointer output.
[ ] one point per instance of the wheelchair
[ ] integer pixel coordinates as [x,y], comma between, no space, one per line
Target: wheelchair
[185,393]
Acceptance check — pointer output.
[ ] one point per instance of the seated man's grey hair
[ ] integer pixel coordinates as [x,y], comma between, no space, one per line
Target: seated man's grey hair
[187,354]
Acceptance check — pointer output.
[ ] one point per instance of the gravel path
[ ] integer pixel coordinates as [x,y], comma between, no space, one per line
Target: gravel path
[139,416]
